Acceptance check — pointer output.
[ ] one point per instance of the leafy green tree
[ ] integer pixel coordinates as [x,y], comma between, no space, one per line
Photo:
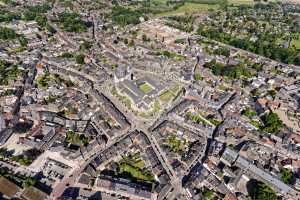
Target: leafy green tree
[131,43]
[80,59]
[7,16]
[7,34]
[184,23]
[231,71]
[265,44]
[7,72]
[272,123]
[66,55]
[22,160]
[261,191]
[28,182]
[71,22]
[50,28]
[257,66]
[33,12]
[41,20]
[272,93]
[86,45]
[81,139]
[286,176]
[125,16]
[28,15]
[222,51]
[43,80]
[145,38]
[3,152]
[69,136]
[23,41]
[207,193]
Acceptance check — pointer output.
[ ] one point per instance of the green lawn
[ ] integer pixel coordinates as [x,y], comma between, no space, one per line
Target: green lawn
[124,99]
[175,89]
[134,160]
[139,164]
[135,166]
[296,43]
[196,118]
[136,172]
[169,94]
[214,121]
[166,96]
[146,88]
[198,77]
[156,107]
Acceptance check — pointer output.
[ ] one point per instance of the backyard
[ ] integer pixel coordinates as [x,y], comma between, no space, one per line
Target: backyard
[176,144]
[134,167]
[76,138]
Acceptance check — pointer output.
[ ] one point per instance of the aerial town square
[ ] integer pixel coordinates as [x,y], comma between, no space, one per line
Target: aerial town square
[150,99]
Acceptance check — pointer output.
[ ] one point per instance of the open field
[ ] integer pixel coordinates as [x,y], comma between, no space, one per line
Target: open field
[199,7]
[190,8]
[238,2]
